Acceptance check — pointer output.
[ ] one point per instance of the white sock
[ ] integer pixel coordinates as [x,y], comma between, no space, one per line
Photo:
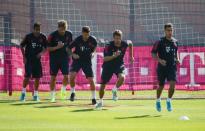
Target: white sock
[159,100]
[23,90]
[101,100]
[93,94]
[35,93]
[72,89]
[53,94]
[64,88]
[115,88]
[169,99]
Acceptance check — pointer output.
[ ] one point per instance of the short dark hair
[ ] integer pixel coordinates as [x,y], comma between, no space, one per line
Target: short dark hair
[63,23]
[86,29]
[168,25]
[117,33]
[36,25]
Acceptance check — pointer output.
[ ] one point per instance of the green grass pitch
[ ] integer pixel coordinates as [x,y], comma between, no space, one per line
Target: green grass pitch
[123,115]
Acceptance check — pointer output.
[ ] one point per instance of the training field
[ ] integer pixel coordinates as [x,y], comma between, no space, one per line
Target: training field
[135,113]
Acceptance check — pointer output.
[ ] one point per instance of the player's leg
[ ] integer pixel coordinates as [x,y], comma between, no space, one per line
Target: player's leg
[36,85]
[52,87]
[53,72]
[75,67]
[121,77]
[65,71]
[105,78]
[93,90]
[72,85]
[172,80]
[120,81]
[101,95]
[26,80]
[37,74]
[23,93]
[161,74]
[87,69]
[64,86]
[171,89]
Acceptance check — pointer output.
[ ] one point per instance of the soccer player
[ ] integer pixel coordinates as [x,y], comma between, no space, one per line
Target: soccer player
[85,46]
[165,52]
[32,47]
[113,63]
[58,43]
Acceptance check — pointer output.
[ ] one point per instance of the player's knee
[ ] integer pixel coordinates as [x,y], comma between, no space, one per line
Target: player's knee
[121,78]
[26,79]
[161,86]
[172,84]
[72,76]
[53,78]
[90,80]
[102,87]
[37,79]
[65,77]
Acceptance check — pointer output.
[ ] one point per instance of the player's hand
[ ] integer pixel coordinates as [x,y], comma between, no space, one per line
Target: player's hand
[162,62]
[39,55]
[177,62]
[129,42]
[92,55]
[60,44]
[75,56]
[116,54]
[24,60]
[132,59]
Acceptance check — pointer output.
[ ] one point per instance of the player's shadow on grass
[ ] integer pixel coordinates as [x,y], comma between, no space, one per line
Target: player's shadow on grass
[27,103]
[86,110]
[56,105]
[141,116]
[8,101]
[49,106]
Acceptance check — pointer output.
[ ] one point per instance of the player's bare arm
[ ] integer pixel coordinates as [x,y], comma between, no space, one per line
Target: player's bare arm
[109,58]
[156,57]
[60,45]
[177,58]
[131,51]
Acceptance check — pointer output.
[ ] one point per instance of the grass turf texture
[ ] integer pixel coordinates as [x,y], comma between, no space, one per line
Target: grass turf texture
[123,115]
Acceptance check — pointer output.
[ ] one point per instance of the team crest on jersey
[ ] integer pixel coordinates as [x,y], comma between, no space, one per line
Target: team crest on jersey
[167,49]
[67,38]
[34,45]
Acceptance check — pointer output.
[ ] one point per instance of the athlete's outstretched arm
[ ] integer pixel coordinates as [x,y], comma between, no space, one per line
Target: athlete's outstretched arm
[131,51]
[155,54]
[109,58]
[23,45]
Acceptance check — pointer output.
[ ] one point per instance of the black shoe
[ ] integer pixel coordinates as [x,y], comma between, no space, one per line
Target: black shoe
[94,101]
[72,97]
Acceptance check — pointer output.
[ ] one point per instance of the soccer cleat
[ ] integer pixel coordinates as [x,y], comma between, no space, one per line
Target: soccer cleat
[99,105]
[158,106]
[36,98]
[169,106]
[72,97]
[114,95]
[23,97]
[94,101]
[63,93]
[53,99]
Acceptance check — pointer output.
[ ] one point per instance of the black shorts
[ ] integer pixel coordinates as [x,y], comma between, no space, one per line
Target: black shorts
[85,66]
[33,68]
[107,73]
[166,73]
[59,64]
